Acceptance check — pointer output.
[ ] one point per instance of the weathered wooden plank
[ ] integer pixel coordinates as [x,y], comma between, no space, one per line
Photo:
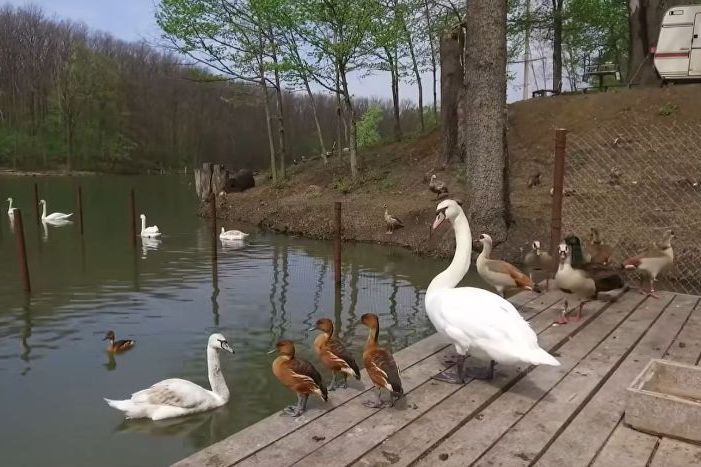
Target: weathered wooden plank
[673,453]
[686,347]
[406,445]
[609,336]
[366,435]
[626,447]
[270,429]
[579,441]
[522,298]
[542,302]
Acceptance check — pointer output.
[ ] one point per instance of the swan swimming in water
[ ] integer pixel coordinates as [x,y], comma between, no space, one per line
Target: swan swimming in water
[176,397]
[10,210]
[232,234]
[148,232]
[476,320]
[54,216]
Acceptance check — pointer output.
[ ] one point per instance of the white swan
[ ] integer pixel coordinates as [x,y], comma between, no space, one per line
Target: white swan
[148,232]
[176,397]
[232,234]
[54,216]
[475,319]
[10,210]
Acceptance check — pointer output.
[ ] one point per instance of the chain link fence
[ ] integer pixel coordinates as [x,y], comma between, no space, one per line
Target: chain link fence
[631,183]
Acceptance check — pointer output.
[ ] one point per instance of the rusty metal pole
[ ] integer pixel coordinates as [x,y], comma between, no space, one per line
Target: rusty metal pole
[36,203]
[132,218]
[80,209]
[558,183]
[214,227]
[22,251]
[337,245]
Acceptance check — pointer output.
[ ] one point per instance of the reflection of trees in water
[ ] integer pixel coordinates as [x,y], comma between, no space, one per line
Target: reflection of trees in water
[314,310]
[273,291]
[278,323]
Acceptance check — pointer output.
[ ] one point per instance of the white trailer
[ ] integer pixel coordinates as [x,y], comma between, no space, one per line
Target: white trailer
[677,55]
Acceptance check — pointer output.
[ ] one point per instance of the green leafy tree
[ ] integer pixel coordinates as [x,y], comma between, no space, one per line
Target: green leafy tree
[368,126]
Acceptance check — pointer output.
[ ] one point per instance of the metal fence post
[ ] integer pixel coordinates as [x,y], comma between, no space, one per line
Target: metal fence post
[337,245]
[558,183]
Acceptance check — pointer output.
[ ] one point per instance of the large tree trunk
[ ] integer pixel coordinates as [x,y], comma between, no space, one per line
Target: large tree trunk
[417,73]
[322,146]
[557,45]
[644,20]
[485,116]
[269,124]
[280,108]
[451,83]
[429,33]
[354,130]
[394,73]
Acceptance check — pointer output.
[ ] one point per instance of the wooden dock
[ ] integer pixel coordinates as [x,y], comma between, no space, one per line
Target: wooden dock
[570,415]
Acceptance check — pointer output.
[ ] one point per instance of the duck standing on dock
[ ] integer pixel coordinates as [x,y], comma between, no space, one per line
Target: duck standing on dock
[393,222]
[118,346]
[380,365]
[299,375]
[500,274]
[334,355]
[437,187]
[653,261]
[539,260]
[474,319]
[585,281]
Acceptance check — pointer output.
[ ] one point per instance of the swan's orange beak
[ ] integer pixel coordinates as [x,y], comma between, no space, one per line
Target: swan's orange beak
[440,217]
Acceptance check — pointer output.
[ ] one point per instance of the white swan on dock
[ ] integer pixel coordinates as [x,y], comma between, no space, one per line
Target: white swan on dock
[148,232]
[232,234]
[476,320]
[54,216]
[177,397]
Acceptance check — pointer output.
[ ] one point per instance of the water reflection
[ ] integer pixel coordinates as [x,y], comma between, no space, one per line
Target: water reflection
[149,244]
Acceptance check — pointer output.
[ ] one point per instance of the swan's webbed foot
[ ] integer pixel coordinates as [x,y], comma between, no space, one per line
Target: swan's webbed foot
[449,360]
[456,377]
[481,373]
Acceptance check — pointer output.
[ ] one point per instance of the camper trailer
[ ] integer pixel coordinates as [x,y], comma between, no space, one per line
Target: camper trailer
[678,51]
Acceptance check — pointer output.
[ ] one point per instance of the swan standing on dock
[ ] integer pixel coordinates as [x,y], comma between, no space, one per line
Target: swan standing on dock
[476,320]
[148,232]
[232,234]
[176,397]
[54,216]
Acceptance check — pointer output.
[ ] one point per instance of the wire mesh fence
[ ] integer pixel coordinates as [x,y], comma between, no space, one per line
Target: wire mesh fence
[631,183]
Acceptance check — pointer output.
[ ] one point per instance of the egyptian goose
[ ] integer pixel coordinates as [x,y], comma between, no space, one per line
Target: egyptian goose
[654,260]
[176,397]
[596,250]
[584,281]
[436,186]
[380,365]
[473,318]
[539,260]
[500,274]
[117,346]
[333,354]
[299,375]
[392,222]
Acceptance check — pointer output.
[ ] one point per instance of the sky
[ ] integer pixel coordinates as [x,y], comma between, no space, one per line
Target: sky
[133,20]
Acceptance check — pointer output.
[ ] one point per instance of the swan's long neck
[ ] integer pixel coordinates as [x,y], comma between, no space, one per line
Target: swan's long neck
[216,378]
[452,276]
[143,223]
[43,212]
[9,209]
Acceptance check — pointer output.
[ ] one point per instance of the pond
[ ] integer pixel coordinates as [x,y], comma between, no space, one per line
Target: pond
[168,296]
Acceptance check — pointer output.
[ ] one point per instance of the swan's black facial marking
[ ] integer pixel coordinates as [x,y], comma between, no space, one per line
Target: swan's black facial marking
[441,211]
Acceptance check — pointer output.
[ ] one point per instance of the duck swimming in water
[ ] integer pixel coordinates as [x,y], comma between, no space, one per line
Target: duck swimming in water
[117,346]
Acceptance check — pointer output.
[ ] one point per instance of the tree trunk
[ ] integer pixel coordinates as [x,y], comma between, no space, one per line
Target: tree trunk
[557,45]
[280,108]
[322,146]
[485,116]
[451,82]
[340,123]
[431,44]
[354,131]
[268,114]
[394,73]
[644,21]
[417,74]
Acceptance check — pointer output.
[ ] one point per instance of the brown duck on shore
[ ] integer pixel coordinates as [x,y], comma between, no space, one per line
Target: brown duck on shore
[596,250]
[118,346]
[436,186]
[297,374]
[393,222]
[380,365]
[654,260]
[334,355]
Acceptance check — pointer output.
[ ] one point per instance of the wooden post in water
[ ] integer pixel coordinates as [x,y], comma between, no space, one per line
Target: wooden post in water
[22,251]
[36,203]
[132,218]
[558,183]
[214,227]
[80,209]
[337,245]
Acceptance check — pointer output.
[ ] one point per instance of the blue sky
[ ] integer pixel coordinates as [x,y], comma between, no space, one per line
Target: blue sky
[134,20]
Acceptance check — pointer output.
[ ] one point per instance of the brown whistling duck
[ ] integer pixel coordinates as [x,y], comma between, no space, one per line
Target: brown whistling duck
[116,346]
[392,222]
[653,261]
[297,374]
[500,274]
[380,365]
[334,355]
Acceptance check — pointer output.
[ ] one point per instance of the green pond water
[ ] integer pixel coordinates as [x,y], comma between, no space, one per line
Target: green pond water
[169,295]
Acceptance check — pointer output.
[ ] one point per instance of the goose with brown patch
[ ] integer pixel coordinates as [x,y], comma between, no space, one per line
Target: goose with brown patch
[299,375]
[334,355]
[538,260]
[437,187]
[118,346]
[393,222]
[380,365]
[653,261]
[596,250]
[500,274]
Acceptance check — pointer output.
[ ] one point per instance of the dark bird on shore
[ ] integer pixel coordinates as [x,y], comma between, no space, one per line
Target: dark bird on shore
[380,365]
[534,180]
[118,346]
[334,355]
[436,186]
[299,375]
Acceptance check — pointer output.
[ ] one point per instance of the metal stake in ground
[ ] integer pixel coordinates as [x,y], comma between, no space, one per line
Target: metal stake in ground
[22,251]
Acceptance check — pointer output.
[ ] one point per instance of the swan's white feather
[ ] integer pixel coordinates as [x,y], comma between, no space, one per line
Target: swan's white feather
[232,235]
